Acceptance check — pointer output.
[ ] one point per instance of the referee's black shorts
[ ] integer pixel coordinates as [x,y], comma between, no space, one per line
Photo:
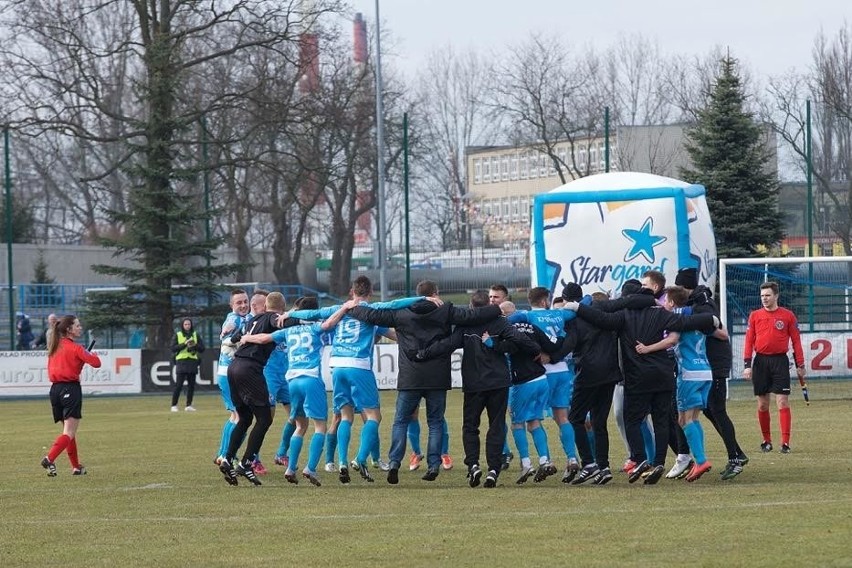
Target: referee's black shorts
[248,385]
[770,374]
[66,400]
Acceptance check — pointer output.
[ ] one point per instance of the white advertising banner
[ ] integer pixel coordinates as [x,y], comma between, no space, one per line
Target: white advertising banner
[827,354]
[24,373]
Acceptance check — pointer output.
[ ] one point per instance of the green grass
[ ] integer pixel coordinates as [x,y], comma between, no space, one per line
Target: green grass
[153,498]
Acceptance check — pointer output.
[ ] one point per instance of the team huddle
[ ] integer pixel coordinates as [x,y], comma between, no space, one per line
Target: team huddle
[657,356]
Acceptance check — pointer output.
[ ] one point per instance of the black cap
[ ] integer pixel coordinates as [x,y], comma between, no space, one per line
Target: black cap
[572,292]
[687,277]
[631,286]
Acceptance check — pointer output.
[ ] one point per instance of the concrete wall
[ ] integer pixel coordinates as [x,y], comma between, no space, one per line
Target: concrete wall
[72,264]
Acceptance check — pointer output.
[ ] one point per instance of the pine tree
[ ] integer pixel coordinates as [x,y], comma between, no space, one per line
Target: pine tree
[730,159]
[47,293]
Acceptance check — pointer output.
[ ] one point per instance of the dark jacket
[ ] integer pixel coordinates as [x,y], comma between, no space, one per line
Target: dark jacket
[718,350]
[524,363]
[595,353]
[188,365]
[417,327]
[483,368]
[651,372]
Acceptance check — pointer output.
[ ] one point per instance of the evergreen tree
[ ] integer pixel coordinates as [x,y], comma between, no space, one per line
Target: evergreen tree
[730,160]
[23,224]
[46,294]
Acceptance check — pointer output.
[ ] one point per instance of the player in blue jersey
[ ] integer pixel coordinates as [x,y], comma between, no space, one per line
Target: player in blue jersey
[353,380]
[307,390]
[560,374]
[694,378]
[234,321]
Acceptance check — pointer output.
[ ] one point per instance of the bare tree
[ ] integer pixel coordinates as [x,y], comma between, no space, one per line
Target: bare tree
[829,85]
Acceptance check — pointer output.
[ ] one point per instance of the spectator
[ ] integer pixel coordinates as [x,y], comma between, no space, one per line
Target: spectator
[42,340]
[187,348]
[24,332]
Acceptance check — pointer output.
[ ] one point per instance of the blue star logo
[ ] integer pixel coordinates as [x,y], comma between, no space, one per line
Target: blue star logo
[643,241]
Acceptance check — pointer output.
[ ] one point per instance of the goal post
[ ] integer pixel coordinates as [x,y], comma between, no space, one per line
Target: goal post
[817,289]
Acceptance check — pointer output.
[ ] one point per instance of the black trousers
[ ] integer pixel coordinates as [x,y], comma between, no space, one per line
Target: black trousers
[597,401]
[636,408]
[494,402]
[717,413]
[189,379]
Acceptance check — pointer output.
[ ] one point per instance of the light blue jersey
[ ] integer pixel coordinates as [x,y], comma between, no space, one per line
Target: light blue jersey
[552,322]
[233,323]
[304,349]
[691,353]
[353,341]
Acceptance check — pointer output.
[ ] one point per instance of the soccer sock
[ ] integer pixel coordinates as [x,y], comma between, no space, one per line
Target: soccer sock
[344,433]
[590,434]
[648,439]
[445,439]
[315,451]
[763,420]
[375,451]
[286,435]
[506,450]
[566,436]
[521,442]
[226,437]
[72,453]
[414,436]
[369,433]
[786,420]
[295,449]
[695,436]
[330,447]
[539,437]
[58,447]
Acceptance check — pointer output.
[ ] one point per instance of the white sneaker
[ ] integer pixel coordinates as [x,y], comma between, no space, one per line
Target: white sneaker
[330,467]
[679,469]
[174,409]
[190,409]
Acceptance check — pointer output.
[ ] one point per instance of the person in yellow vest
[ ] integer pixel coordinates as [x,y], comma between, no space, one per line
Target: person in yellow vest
[187,349]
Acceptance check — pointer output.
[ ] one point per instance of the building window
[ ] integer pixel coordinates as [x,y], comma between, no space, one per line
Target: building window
[487,209]
[516,210]
[504,168]
[523,166]
[582,160]
[525,208]
[495,169]
[533,165]
[513,167]
[505,208]
[477,171]
[542,166]
[562,155]
[593,159]
[602,157]
[486,170]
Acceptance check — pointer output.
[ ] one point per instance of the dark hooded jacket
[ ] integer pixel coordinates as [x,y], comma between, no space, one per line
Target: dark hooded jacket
[417,327]
[718,350]
[651,372]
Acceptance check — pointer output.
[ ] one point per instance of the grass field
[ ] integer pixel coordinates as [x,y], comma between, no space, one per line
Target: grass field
[153,498]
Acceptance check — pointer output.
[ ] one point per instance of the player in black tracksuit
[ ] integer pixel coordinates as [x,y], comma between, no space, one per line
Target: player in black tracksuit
[648,379]
[250,396]
[417,327]
[485,383]
[720,357]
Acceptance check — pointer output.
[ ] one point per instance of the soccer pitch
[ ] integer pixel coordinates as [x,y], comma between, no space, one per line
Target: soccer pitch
[154,498]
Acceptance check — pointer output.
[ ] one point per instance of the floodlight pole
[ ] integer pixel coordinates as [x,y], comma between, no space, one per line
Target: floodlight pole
[810,210]
[9,234]
[380,163]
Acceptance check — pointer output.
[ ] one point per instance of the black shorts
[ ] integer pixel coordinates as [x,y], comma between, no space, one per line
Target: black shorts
[770,374]
[248,385]
[66,400]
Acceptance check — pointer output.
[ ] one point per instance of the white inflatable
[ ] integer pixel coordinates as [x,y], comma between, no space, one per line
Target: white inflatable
[602,230]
